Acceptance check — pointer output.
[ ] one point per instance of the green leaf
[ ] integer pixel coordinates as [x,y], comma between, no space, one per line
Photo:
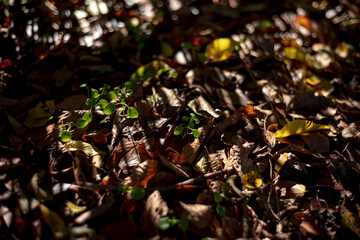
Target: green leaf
[117,89]
[109,108]
[163,223]
[122,96]
[186,45]
[185,118]
[66,135]
[87,116]
[221,210]
[112,95]
[95,93]
[217,198]
[102,103]
[84,85]
[183,224]
[197,121]
[178,130]
[91,101]
[128,84]
[132,112]
[191,125]
[129,91]
[81,122]
[137,193]
[196,133]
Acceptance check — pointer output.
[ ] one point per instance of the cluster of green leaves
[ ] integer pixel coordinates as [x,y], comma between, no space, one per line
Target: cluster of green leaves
[136,193]
[102,97]
[192,120]
[165,223]
[221,210]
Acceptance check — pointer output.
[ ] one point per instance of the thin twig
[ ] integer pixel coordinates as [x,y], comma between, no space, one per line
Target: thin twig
[193,180]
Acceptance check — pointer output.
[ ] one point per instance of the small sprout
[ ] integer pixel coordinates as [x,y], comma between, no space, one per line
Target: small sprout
[183,224]
[132,112]
[221,210]
[81,122]
[190,128]
[112,95]
[179,130]
[165,223]
[66,135]
[109,108]
[137,193]
[97,98]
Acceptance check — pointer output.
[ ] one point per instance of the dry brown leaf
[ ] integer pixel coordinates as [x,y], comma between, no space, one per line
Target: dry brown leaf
[143,172]
[155,208]
[198,215]
[216,160]
[316,142]
[240,161]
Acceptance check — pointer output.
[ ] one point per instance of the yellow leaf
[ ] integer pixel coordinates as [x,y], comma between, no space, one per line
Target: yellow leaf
[74,209]
[39,115]
[319,83]
[84,147]
[296,54]
[281,161]
[252,180]
[220,49]
[349,220]
[55,222]
[297,127]
[149,71]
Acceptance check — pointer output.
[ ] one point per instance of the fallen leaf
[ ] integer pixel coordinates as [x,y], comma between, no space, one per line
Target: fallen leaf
[39,115]
[220,49]
[299,126]
[84,147]
[155,208]
[55,222]
[252,180]
[349,220]
[198,215]
[149,71]
[75,209]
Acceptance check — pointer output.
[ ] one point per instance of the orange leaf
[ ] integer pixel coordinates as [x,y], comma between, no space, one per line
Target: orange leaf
[306,22]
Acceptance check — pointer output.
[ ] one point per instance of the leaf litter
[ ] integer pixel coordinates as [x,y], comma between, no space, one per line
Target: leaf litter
[271,151]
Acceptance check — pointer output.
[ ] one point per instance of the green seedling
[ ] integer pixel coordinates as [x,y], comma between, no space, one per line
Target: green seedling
[165,223]
[101,97]
[124,92]
[221,210]
[66,134]
[136,193]
[192,120]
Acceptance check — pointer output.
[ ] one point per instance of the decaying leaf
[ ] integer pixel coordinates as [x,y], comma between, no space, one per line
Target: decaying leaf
[297,191]
[349,220]
[39,115]
[239,157]
[142,173]
[55,222]
[84,147]
[155,208]
[198,215]
[220,49]
[298,127]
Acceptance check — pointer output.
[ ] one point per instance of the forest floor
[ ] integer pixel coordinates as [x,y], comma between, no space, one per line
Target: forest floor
[204,121]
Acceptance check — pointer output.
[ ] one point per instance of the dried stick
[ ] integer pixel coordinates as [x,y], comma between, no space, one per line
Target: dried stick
[193,180]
